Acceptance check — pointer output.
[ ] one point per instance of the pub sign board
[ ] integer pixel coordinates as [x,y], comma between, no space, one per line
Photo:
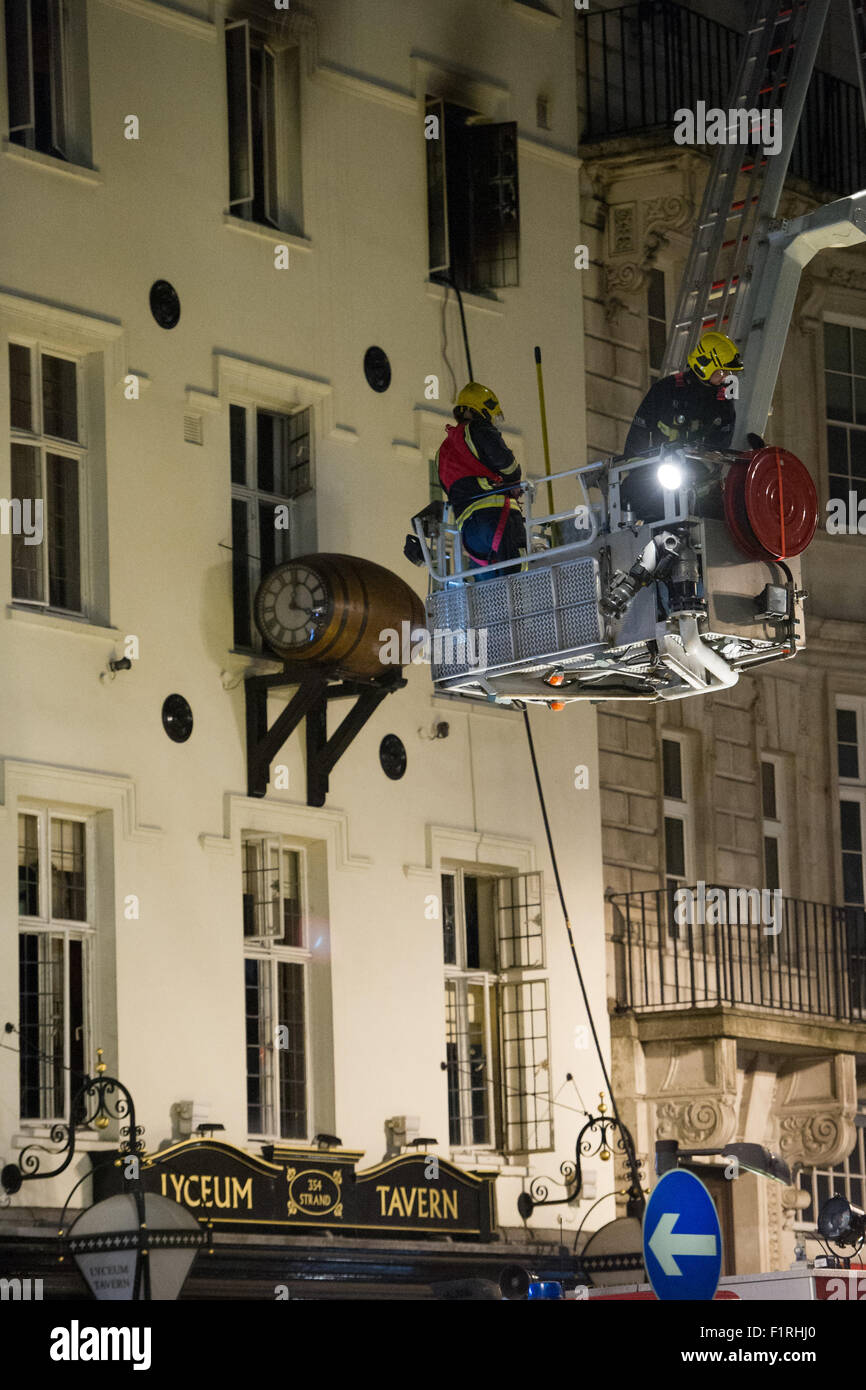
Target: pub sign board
[226,1187]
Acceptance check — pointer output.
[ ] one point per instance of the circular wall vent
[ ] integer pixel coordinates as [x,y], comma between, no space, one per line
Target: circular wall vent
[164,303]
[392,756]
[377,369]
[177,718]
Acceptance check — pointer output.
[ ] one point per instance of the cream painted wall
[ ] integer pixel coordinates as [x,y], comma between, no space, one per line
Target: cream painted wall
[172,1020]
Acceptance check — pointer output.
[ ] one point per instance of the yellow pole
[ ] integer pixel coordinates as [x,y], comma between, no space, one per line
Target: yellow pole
[544,440]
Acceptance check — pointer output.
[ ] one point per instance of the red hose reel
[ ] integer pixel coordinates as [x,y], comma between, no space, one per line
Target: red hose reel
[771,506]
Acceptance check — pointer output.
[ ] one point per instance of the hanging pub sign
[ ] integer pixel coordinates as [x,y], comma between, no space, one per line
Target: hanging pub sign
[227,1188]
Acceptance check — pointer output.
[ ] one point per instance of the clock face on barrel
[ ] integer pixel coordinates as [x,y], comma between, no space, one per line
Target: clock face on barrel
[292,607]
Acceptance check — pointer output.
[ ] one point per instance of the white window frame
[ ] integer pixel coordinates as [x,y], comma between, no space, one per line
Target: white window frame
[839,1176]
[457,975]
[272,953]
[851,788]
[841,321]
[777,828]
[654,374]
[674,809]
[67,929]
[60,19]
[45,444]
[281,165]
[252,496]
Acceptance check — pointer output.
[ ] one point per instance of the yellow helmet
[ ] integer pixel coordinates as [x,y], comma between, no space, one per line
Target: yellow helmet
[481,399]
[714,350]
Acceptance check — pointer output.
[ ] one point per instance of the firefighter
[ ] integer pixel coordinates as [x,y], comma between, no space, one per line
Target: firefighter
[475,468]
[692,406]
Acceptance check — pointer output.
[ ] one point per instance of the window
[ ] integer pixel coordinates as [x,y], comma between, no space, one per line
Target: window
[850,732]
[772,807]
[55,938]
[48,472]
[276,966]
[847,1178]
[657,324]
[677,822]
[263,90]
[845,381]
[473,218]
[47,77]
[272,501]
[36,41]
[497,1048]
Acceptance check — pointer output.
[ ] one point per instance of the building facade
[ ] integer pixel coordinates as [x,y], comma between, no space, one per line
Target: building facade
[732,1033]
[226,342]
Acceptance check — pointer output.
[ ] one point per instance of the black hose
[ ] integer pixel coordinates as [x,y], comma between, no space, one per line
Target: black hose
[456,288]
[636,1195]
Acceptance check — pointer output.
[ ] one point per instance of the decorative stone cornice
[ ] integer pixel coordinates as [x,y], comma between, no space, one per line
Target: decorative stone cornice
[699,1122]
[643,228]
[817,1140]
[816,1116]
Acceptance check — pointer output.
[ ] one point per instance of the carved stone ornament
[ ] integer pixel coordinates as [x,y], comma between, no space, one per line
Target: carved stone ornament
[816,1140]
[705,1122]
[847,277]
[658,216]
[673,211]
[622,229]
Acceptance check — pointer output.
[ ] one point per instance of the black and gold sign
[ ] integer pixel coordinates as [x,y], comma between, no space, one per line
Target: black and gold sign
[227,1187]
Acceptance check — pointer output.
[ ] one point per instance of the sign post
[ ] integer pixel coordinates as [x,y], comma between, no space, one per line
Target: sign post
[682,1238]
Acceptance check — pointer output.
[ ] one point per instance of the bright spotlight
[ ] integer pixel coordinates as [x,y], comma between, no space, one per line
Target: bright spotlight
[841,1222]
[670,475]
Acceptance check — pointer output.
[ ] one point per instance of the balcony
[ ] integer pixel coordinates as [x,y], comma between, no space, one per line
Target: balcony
[643,62]
[724,950]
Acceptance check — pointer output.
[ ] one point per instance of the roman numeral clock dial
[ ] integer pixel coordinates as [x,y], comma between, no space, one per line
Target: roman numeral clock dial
[292,608]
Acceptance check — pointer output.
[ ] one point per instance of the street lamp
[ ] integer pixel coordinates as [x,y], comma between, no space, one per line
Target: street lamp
[753,1157]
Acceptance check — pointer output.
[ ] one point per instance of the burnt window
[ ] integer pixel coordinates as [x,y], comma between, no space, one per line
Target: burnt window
[473,216]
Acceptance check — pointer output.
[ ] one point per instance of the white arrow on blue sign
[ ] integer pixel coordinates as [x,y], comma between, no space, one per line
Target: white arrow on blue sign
[682,1239]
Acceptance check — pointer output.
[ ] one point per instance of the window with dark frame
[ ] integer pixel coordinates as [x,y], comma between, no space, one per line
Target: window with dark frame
[47,463]
[270,470]
[275,989]
[657,323]
[37,67]
[773,826]
[852,800]
[676,839]
[497,1043]
[473,214]
[845,384]
[264,126]
[55,933]
[253,133]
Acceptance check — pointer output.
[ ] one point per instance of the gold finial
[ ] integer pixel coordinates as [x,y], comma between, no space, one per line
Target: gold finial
[604,1155]
[602,1108]
[101,1122]
[100,1065]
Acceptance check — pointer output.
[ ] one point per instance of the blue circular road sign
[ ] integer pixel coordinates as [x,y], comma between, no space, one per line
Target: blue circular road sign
[682,1239]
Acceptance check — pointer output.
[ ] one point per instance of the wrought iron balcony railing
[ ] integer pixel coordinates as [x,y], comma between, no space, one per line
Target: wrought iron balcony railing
[643,62]
[738,949]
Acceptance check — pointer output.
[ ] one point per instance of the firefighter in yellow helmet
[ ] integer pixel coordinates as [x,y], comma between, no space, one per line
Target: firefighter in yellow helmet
[690,407]
[477,470]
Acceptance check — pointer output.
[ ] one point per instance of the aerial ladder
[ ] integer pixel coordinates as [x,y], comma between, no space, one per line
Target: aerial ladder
[677,596]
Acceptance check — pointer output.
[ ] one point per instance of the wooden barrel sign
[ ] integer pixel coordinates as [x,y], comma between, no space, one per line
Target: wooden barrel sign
[336,610]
